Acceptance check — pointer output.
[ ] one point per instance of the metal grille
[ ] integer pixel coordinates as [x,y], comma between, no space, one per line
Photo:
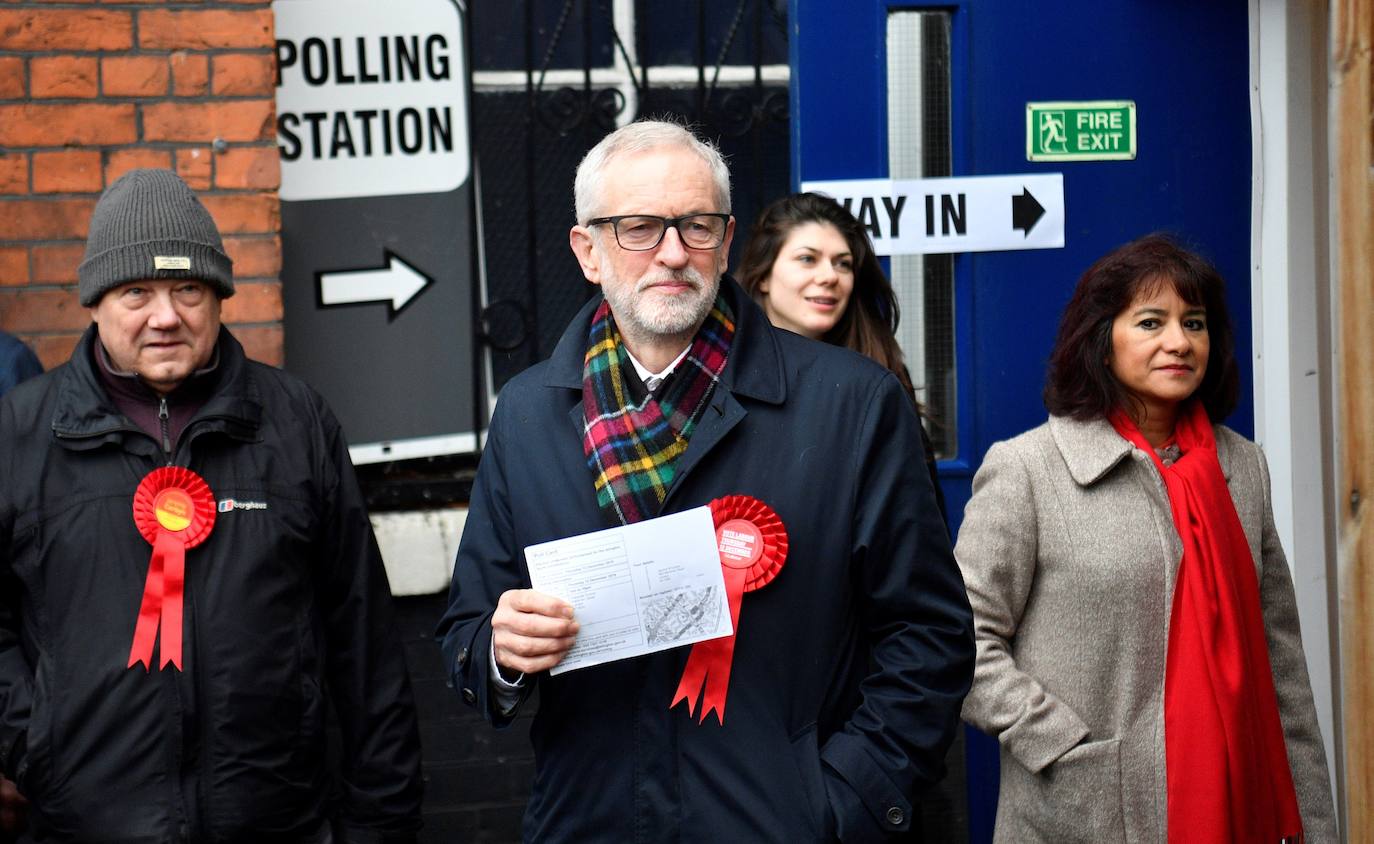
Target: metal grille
[919,146]
[552,77]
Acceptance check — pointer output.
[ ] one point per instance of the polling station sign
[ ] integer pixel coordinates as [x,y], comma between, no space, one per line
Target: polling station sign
[378,219]
[370,99]
[959,214]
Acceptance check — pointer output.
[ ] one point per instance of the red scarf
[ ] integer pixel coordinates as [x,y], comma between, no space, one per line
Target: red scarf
[1228,772]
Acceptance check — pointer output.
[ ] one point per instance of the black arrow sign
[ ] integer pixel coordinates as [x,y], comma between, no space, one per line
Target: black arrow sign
[1025,212]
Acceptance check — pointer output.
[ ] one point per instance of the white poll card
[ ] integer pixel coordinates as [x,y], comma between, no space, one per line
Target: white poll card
[636,589]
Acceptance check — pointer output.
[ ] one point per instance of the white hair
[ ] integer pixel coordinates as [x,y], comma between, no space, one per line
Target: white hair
[642,136]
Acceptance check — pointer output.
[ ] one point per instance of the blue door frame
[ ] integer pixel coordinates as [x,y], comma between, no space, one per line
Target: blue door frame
[1184,64]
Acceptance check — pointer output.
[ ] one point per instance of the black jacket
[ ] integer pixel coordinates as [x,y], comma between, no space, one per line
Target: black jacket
[286,607]
[17,362]
[849,669]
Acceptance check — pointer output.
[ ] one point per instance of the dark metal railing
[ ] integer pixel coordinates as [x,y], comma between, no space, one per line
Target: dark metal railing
[528,310]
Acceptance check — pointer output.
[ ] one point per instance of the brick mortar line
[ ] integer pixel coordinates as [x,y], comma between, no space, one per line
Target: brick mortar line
[124,99]
[138,52]
[157,146]
[135,7]
[70,195]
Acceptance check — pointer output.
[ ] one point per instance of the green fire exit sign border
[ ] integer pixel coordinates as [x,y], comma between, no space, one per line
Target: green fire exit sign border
[1081,130]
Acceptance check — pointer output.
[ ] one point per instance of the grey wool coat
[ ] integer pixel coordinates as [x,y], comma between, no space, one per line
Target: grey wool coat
[1069,552]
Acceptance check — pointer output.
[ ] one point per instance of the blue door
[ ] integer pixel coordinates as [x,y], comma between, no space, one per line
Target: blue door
[884,89]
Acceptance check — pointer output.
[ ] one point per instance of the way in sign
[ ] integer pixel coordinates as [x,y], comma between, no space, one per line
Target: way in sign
[964,214]
[953,214]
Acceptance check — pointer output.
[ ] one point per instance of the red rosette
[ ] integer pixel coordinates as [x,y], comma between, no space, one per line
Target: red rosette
[773,551]
[752,543]
[171,478]
[174,510]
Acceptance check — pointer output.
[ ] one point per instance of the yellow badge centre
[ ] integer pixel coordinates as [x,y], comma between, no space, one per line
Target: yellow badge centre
[173,509]
[171,262]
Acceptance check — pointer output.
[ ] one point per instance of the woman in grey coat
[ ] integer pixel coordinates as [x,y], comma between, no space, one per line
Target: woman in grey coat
[1139,658]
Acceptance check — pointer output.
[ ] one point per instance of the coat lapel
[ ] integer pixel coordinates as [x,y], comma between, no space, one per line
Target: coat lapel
[1090,449]
[723,414]
[1225,453]
[753,371]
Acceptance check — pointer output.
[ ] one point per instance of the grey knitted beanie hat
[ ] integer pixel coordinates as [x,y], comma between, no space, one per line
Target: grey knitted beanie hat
[149,225]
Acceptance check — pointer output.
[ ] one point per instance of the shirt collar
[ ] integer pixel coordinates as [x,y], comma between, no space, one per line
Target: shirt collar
[653,379]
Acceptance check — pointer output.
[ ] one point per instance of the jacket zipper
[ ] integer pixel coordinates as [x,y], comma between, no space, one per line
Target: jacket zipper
[179,788]
[193,825]
[164,425]
[168,678]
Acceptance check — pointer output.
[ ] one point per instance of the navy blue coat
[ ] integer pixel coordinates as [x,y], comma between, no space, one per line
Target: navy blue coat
[849,668]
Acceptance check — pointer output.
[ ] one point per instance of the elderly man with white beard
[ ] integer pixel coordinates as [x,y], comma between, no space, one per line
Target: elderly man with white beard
[668,392]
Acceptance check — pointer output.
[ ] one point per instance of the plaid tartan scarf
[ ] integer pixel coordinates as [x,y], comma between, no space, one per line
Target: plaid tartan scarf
[632,442]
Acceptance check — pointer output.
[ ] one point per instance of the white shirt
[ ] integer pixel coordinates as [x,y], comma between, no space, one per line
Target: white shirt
[653,380]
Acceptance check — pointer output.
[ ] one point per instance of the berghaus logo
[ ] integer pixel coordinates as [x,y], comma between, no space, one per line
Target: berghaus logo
[227,504]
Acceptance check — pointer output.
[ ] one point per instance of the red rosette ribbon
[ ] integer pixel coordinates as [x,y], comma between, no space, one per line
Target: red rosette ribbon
[174,510]
[752,543]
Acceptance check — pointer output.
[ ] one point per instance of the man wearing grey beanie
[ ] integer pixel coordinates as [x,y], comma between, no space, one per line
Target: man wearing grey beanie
[188,576]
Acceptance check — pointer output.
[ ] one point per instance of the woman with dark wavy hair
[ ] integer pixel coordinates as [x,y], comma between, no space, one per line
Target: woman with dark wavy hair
[1139,658]
[812,268]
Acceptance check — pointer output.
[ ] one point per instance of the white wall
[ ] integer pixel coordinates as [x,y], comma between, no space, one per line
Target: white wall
[1290,289]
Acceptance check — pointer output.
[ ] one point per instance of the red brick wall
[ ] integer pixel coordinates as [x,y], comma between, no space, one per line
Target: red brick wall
[90,91]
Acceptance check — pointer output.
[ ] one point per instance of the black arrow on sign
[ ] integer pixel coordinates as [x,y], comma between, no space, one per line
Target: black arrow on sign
[1025,212]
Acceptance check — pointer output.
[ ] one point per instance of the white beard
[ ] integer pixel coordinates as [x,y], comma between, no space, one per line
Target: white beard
[640,313]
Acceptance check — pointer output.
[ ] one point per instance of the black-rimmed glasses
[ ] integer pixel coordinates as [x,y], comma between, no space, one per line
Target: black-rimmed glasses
[642,232]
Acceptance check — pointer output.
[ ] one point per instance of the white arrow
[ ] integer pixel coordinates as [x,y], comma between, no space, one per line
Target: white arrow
[396,283]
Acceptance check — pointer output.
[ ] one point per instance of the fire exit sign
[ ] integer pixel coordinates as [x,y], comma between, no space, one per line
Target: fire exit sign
[1095,130]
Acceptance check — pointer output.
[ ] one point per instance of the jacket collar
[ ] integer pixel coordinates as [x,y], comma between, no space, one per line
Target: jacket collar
[1092,449]
[86,416]
[754,367]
